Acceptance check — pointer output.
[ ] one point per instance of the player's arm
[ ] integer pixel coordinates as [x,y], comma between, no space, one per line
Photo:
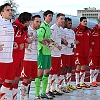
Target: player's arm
[16,44]
[28,40]
[41,36]
[1,47]
[52,37]
[75,41]
[63,41]
[91,42]
[74,48]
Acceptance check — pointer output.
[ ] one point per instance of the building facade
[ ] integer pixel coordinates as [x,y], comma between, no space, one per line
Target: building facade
[91,13]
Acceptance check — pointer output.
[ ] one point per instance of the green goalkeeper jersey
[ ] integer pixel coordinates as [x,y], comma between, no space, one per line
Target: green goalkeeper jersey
[43,32]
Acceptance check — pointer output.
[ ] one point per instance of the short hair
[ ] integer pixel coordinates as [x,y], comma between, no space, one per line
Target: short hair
[68,19]
[3,6]
[33,17]
[60,14]
[24,17]
[81,19]
[47,12]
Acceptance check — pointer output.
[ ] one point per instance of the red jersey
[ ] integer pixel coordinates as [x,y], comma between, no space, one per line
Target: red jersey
[83,35]
[21,33]
[96,40]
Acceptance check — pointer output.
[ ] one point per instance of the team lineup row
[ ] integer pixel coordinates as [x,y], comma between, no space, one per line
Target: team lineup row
[31,49]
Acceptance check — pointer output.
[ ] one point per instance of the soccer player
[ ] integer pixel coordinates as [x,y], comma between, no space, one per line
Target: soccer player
[56,31]
[29,70]
[20,39]
[44,56]
[6,52]
[95,55]
[83,45]
[68,54]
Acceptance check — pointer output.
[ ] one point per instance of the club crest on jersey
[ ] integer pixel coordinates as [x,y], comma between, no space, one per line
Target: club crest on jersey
[40,30]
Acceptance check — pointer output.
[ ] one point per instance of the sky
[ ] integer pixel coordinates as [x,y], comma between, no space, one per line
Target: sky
[69,7]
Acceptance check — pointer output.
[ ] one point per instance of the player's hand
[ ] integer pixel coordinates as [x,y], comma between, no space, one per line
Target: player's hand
[21,46]
[29,40]
[76,42]
[71,45]
[64,42]
[73,49]
[59,47]
[45,41]
[1,48]
[15,45]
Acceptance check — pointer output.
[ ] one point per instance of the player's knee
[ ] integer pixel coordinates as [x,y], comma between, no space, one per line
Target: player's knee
[40,76]
[78,67]
[46,74]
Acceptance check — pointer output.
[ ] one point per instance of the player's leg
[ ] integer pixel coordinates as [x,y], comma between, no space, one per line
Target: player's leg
[18,67]
[92,64]
[77,71]
[6,76]
[46,67]
[40,71]
[85,63]
[26,75]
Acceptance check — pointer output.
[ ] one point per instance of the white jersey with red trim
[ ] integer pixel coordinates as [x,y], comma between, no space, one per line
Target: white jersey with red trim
[7,40]
[31,51]
[70,38]
[56,36]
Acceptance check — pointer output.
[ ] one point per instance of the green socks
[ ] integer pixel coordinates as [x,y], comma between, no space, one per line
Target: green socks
[44,83]
[37,86]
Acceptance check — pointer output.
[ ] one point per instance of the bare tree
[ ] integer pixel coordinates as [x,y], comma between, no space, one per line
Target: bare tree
[14,7]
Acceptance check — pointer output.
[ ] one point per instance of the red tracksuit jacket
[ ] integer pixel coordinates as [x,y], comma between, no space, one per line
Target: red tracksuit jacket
[21,33]
[84,36]
[96,40]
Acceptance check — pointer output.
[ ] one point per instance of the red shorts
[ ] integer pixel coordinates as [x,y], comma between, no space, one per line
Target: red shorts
[68,60]
[29,69]
[55,65]
[18,59]
[6,71]
[81,60]
[94,61]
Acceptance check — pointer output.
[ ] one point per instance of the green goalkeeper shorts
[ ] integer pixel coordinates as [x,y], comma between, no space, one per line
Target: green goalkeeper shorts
[44,61]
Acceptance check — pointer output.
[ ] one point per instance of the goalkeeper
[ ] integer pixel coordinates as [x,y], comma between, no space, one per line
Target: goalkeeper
[44,56]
